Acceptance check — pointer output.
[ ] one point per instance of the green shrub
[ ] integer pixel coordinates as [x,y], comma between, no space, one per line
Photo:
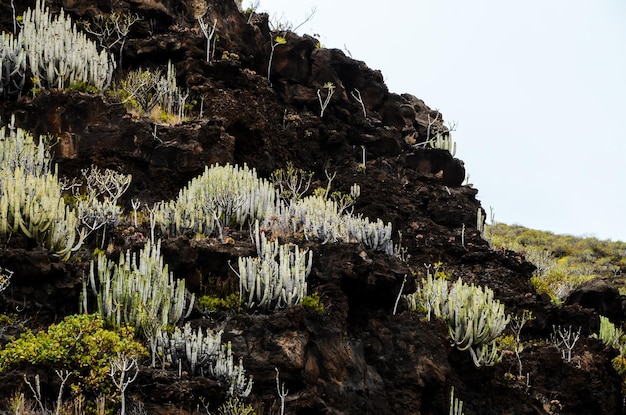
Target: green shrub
[235,406]
[312,302]
[209,303]
[80,344]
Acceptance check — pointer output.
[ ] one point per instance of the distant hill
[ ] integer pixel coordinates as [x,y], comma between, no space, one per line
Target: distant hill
[562,261]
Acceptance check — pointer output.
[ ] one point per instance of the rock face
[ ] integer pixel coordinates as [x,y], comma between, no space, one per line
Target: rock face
[356,357]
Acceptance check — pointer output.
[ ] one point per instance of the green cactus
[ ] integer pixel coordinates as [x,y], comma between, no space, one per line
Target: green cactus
[198,349]
[12,65]
[59,54]
[475,319]
[444,142]
[138,290]
[276,278]
[611,335]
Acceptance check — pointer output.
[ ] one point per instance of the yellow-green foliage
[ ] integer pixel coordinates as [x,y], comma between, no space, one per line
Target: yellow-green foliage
[312,302]
[80,344]
[209,303]
[235,406]
[619,364]
[563,261]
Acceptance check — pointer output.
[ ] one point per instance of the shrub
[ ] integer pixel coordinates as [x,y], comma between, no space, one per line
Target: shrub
[209,304]
[80,344]
[149,92]
[312,302]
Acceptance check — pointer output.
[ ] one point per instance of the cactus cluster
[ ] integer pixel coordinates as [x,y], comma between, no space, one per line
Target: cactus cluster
[226,371]
[19,149]
[276,278]
[232,195]
[59,55]
[475,319]
[323,220]
[444,142]
[221,196]
[30,198]
[12,65]
[203,353]
[138,290]
[611,335]
[196,348]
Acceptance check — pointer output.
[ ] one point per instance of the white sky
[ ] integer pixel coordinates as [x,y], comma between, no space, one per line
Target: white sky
[537,88]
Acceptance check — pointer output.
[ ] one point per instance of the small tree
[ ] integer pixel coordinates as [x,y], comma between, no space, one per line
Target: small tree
[124,371]
[111,30]
[330,90]
[208,32]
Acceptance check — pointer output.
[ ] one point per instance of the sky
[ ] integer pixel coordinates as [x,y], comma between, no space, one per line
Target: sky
[537,89]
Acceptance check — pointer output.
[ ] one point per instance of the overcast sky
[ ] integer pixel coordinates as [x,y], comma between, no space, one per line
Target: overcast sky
[537,88]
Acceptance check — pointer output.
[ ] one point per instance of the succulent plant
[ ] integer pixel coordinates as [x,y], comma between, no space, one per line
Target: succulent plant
[60,55]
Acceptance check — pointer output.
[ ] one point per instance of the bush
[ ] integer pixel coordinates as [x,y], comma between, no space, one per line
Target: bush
[80,344]
[312,302]
[209,304]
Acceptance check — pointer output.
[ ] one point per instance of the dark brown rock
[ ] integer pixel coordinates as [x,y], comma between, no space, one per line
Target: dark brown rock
[355,356]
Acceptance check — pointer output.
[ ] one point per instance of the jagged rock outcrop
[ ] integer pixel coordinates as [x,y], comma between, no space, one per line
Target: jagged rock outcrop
[355,357]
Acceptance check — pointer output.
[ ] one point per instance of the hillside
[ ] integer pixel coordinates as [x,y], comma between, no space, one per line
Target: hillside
[563,261]
[385,209]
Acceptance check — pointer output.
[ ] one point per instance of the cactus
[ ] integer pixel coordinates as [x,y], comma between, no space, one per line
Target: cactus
[611,335]
[59,55]
[277,277]
[444,142]
[12,65]
[138,290]
[225,370]
[486,354]
[32,205]
[195,347]
[19,149]
[31,200]
[474,317]
[221,196]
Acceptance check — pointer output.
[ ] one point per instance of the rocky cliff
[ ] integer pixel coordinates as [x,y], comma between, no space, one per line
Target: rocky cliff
[356,356]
